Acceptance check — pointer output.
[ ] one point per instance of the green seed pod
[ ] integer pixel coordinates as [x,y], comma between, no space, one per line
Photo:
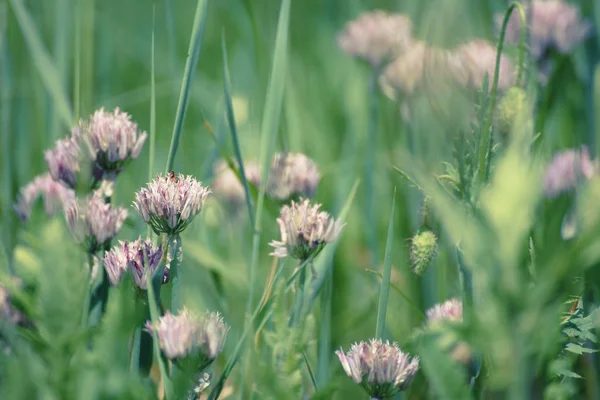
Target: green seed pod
[423,248]
[511,111]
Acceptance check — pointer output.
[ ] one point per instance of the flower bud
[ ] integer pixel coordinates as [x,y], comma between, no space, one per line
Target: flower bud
[423,249]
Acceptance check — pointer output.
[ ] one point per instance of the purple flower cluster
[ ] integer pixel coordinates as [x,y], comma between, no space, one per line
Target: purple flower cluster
[94,222]
[169,203]
[137,257]
[304,230]
[567,170]
[451,310]
[64,160]
[56,195]
[382,369]
[187,335]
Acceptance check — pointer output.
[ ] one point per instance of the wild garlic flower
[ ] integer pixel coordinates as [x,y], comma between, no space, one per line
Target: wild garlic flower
[451,310]
[227,186]
[555,24]
[292,174]
[94,222]
[479,60]
[382,369]
[169,203]
[422,67]
[304,231]
[64,160]
[376,37]
[136,257]
[189,336]
[567,170]
[56,196]
[113,140]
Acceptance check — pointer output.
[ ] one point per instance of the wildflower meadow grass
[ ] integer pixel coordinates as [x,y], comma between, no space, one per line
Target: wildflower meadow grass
[285,199]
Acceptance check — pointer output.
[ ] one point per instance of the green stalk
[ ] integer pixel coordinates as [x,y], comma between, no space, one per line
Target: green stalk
[234,136]
[297,311]
[134,359]
[324,342]
[154,317]
[46,68]
[484,145]
[152,137]
[188,78]
[174,260]
[370,209]
[387,271]
[61,38]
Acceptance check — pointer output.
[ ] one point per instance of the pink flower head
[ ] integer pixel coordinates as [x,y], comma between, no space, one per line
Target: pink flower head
[292,174]
[56,196]
[450,310]
[64,161]
[567,170]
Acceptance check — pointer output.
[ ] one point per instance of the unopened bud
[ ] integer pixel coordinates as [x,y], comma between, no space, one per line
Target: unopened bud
[423,249]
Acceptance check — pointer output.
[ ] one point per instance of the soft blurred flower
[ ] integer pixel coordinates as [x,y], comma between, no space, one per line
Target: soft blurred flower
[422,66]
[304,230]
[186,334]
[56,196]
[479,60]
[567,170]
[94,221]
[115,263]
[423,248]
[169,203]
[64,160]
[382,369]
[113,140]
[292,174]
[227,186]
[376,36]
[451,310]
[555,24]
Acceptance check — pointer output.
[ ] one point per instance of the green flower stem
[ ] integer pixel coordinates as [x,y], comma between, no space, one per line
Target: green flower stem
[298,309]
[134,358]
[484,145]
[174,256]
[370,208]
[85,312]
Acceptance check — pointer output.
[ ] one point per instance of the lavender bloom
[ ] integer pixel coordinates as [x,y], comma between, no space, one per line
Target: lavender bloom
[142,256]
[566,170]
[450,310]
[113,141]
[382,369]
[94,222]
[137,257]
[422,66]
[64,160]
[292,174]
[554,25]
[228,187]
[479,58]
[376,37]
[304,231]
[170,203]
[56,196]
[187,335]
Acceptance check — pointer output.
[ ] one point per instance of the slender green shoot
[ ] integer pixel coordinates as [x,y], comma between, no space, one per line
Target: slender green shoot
[188,78]
[234,135]
[387,271]
[46,68]
[310,371]
[484,145]
[152,138]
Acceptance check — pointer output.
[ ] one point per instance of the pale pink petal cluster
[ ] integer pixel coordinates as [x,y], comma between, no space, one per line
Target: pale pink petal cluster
[479,60]
[567,170]
[56,196]
[227,185]
[381,368]
[113,139]
[64,159]
[169,203]
[94,221]
[292,174]
[137,257]
[555,24]
[304,230]
[186,335]
[376,36]
[450,310]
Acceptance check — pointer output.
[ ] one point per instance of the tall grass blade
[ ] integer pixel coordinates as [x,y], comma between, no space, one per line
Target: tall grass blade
[387,271]
[188,78]
[45,66]
[62,29]
[152,138]
[233,129]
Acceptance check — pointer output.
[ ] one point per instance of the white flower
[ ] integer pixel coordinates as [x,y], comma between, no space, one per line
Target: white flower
[292,174]
[450,310]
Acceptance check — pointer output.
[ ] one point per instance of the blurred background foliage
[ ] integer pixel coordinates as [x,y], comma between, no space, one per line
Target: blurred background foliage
[100,50]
